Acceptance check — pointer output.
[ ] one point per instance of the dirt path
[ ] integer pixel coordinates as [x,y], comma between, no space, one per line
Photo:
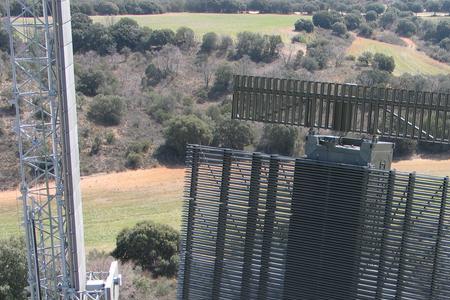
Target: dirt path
[409,43]
[162,178]
[119,182]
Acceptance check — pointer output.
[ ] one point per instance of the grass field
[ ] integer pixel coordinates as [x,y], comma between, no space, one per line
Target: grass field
[230,24]
[112,202]
[407,59]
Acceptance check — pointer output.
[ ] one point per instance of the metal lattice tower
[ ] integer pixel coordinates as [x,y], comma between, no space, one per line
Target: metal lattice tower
[46,129]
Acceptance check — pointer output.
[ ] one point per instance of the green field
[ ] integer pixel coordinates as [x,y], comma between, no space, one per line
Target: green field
[229,24]
[407,60]
[112,202]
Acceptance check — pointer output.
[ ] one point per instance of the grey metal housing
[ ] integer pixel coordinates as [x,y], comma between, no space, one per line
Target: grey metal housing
[259,226]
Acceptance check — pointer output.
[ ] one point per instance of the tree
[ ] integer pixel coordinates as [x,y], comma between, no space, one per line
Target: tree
[233,134]
[433,6]
[371,16]
[153,247]
[94,81]
[210,42]
[339,29]
[126,33]
[445,44]
[182,130]
[13,269]
[374,77]
[310,8]
[106,110]
[442,30]
[81,24]
[106,8]
[415,7]
[365,58]
[258,48]
[387,19]
[406,28]
[184,38]
[384,62]
[304,25]
[99,39]
[326,19]
[153,75]
[159,38]
[4,39]
[375,6]
[365,31]
[222,82]
[278,139]
[352,21]
[446,6]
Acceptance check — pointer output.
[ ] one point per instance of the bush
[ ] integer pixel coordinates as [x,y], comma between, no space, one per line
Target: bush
[304,25]
[375,6]
[326,19]
[258,47]
[226,42]
[339,29]
[4,39]
[110,138]
[445,44]
[139,147]
[183,130]
[126,33]
[153,247]
[371,16]
[222,82]
[233,134]
[94,81]
[365,31]
[352,21]
[298,38]
[106,110]
[406,28]
[153,75]
[365,58]
[158,38]
[321,51]
[309,64]
[134,160]
[210,42]
[278,139]
[185,38]
[13,269]
[106,8]
[384,62]
[96,145]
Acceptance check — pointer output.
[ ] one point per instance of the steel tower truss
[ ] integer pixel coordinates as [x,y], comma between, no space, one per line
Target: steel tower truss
[37,99]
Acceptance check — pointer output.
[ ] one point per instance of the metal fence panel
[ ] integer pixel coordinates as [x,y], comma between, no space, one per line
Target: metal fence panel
[387,112]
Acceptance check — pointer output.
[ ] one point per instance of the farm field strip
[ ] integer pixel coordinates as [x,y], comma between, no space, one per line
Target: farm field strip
[225,24]
[407,59]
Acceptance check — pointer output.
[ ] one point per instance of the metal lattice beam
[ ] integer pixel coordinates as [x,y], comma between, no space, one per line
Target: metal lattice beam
[47,139]
[394,113]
